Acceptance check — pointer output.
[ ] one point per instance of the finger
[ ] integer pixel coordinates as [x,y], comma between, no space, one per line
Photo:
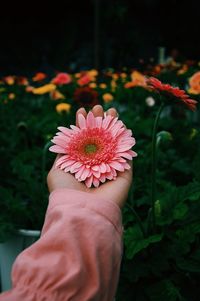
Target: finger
[80,111]
[112,112]
[97,111]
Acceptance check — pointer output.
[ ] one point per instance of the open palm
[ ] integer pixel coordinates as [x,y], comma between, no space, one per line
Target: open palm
[116,190]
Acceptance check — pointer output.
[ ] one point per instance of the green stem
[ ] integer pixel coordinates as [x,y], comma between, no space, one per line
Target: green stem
[44,153]
[154,166]
[138,219]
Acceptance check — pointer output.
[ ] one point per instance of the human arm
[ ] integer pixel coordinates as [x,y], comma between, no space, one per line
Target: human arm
[79,253]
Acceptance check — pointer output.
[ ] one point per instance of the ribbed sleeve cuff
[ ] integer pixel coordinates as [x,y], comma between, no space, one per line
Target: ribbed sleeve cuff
[104,207]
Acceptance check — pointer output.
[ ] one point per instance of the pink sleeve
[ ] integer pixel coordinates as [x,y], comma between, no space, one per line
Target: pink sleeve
[78,255]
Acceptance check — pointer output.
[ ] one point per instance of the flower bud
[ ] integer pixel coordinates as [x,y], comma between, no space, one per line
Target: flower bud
[157,208]
[163,136]
[22,126]
[150,101]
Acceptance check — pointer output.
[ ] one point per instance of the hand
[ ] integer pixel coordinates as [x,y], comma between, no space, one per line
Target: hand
[116,190]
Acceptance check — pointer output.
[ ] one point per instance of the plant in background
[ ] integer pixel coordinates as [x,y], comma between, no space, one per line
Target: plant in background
[167,94]
[161,262]
[161,246]
[85,97]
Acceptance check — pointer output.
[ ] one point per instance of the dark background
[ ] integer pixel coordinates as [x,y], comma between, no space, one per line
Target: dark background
[94,33]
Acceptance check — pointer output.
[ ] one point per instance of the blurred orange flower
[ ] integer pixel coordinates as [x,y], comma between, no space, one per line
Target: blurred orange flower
[92,74]
[183,69]
[102,86]
[44,89]
[107,97]
[39,76]
[92,85]
[115,76]
[77,75]
[138,79]
[9,80]
[55,95]
[129,85]
[194,83]
[29,89]
[123,75]
[113,85]
[63,107]
[11,96]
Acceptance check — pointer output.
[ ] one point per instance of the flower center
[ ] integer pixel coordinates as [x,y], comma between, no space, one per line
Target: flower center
[90,148]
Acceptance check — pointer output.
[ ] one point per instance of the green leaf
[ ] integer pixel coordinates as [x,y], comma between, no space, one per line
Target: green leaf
[164,290]
[135,242]
[189,192]
[180,211]
[190,265]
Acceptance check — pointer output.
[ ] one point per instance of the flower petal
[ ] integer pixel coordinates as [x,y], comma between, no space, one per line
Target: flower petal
[65,131]
[75,167]
[127,166]
[103,168]
[123,148]
[95,168]
[106,121]
[81,121]
[132,153]
[88,181]
[79,173]
[102,178]
[97,174]
[125,155]
[66,164]
[109,176]
[99,121]
[107,168]
[61,160]
[84,174]
[116,166]
[96,182]
[75,128]
[90,120]
[57,149]
[59,141]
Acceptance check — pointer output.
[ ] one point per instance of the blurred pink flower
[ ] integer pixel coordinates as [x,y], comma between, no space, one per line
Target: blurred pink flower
[96,150]
[62,79]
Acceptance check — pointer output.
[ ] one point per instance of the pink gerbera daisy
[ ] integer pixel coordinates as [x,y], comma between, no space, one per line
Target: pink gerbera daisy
[96,150]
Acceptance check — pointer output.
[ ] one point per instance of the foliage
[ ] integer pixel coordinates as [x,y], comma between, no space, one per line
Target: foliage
[158,264]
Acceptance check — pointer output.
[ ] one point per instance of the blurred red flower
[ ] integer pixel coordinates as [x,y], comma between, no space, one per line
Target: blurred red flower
[84,80]
[174,92]
[86,97]
[22,80]
[62,79]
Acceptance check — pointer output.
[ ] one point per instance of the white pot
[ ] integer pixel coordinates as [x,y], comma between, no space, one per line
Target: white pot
[10,249]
